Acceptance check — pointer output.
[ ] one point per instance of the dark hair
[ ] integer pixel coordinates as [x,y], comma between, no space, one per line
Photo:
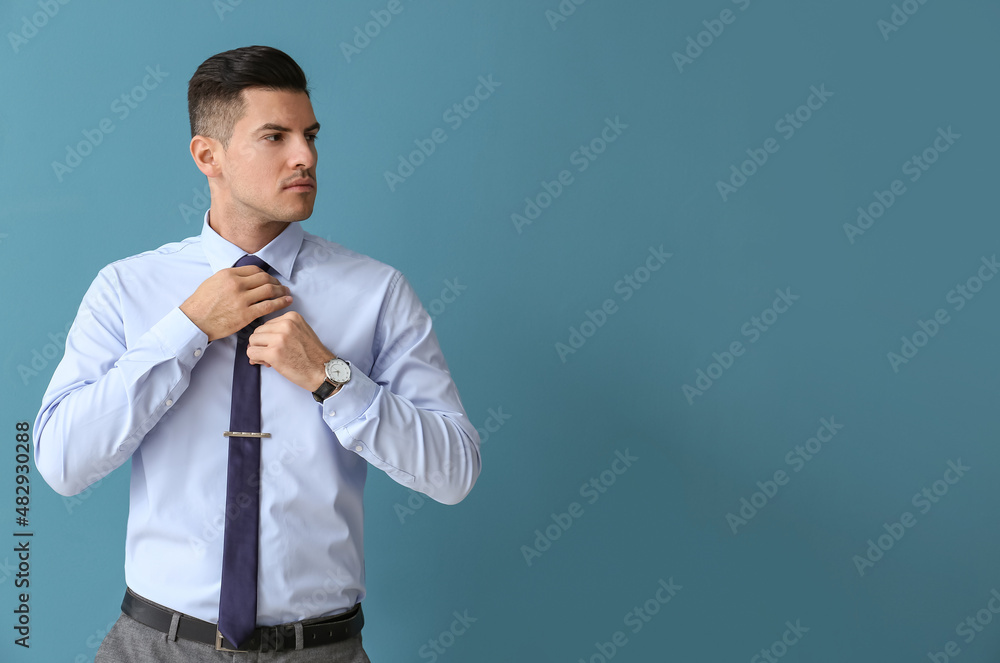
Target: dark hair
[215,92]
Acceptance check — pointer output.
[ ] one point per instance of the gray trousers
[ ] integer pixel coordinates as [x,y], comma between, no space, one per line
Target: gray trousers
[132,642]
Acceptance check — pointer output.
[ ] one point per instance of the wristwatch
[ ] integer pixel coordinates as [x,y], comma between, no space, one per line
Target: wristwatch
[338,373]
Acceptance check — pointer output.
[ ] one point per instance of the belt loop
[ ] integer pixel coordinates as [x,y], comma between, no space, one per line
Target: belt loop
[175,620]
[300,640]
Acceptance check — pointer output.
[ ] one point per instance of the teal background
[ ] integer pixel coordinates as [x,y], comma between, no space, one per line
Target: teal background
[665,516]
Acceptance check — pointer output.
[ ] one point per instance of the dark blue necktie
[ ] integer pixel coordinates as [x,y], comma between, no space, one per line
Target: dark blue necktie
[238,599]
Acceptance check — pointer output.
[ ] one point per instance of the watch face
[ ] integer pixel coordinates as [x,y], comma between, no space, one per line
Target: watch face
[338,370]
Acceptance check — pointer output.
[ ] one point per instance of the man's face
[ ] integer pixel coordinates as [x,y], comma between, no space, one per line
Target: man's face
[269,168]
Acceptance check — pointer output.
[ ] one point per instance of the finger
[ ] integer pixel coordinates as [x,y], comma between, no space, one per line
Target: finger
[268,306]
[257,357]
[261,338]
[246,270]
[266,291]
[267,328]
[249,277]
[289,321]
[256,279]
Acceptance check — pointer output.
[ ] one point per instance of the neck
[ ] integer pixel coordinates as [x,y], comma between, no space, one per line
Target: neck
[249,235]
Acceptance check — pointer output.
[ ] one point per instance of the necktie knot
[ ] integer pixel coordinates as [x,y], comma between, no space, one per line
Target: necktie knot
[252,260]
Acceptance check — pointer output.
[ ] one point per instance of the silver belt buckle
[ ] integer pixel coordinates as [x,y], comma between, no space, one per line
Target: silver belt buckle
[218,643]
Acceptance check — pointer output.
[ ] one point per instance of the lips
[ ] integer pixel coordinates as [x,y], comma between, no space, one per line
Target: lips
[304,184]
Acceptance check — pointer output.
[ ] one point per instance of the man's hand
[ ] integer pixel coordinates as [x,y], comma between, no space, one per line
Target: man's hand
[290,346]
[232,298]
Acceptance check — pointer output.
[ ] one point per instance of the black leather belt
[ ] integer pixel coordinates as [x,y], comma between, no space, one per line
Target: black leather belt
[315,632]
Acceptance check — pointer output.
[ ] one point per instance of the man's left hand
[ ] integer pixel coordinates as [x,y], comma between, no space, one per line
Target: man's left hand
[290,346]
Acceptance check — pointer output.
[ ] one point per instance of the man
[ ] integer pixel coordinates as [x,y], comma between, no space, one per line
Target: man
[251,398]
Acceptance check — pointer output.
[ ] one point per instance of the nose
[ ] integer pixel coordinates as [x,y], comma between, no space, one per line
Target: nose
[304,155]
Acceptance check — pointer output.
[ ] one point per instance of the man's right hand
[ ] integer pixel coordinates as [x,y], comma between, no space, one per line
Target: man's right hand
[232,298]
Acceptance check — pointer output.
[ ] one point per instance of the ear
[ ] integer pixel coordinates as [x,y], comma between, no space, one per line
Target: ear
[206,151]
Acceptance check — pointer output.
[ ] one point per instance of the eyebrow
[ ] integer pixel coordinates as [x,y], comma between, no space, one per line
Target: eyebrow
[277,127]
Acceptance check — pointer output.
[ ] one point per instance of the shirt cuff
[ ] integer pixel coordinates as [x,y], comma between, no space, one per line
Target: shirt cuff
[180,337]
[349,404]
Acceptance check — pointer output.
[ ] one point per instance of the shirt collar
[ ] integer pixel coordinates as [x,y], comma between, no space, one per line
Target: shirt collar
[280,253]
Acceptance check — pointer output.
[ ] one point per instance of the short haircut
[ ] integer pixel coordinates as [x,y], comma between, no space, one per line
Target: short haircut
[215,91]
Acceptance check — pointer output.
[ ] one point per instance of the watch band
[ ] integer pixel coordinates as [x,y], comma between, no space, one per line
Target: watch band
[325,390]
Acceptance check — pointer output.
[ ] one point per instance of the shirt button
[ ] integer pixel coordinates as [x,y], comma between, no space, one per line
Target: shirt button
[169,402]
[333,413]
[197,353]
[359,448]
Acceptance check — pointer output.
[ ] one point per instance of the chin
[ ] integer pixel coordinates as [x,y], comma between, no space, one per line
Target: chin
[295,215]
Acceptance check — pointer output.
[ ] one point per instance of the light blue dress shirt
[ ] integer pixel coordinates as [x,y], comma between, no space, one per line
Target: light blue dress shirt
[139,380]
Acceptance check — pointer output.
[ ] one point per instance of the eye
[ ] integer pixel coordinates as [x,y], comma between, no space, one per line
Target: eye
[276,137]
[311,137]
